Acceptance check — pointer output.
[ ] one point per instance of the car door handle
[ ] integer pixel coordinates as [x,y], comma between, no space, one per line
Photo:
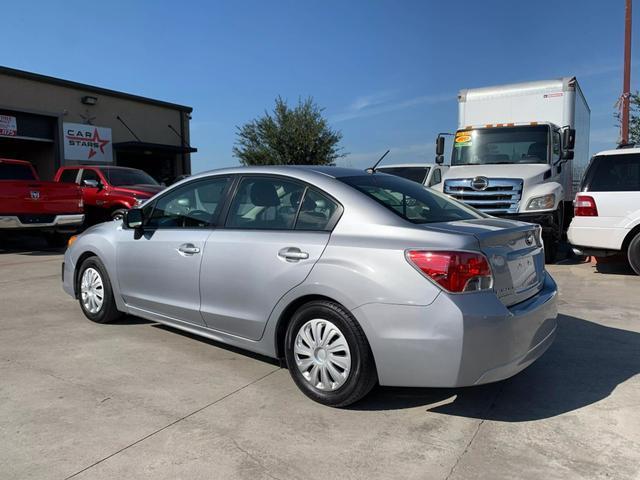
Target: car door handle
[188,249]
[293,254]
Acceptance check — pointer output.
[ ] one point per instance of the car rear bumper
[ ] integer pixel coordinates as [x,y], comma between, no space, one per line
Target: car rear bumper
[459,340]
[590,238]
[45,221]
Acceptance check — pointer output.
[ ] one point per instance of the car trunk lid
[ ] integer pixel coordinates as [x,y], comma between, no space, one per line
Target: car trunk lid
[515,253]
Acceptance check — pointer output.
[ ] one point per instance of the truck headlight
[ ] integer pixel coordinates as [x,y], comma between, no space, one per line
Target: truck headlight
[544,202]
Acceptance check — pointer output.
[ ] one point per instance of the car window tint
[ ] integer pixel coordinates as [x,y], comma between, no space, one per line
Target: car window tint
[12,171]
[410,200]
[315,212]
[615,173]
[265,203]
[68,176]
[194,205]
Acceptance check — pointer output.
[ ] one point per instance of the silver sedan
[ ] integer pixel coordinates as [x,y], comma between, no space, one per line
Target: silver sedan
[351,278]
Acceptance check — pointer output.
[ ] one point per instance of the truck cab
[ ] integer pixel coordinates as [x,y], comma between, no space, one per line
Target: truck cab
[513,153]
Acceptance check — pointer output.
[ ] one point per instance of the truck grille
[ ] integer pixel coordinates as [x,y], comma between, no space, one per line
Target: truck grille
[501,195]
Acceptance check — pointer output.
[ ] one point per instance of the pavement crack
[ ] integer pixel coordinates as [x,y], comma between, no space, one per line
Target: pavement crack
[255,459]
[155,432]
[488,410]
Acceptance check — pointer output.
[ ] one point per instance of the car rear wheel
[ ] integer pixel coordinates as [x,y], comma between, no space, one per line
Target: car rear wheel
[95,293]
[328,355]
[633,254]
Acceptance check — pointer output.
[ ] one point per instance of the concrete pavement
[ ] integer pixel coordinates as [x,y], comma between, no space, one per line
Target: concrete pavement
[138,400]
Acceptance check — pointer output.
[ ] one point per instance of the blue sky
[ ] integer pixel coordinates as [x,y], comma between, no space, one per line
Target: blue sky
[386,72]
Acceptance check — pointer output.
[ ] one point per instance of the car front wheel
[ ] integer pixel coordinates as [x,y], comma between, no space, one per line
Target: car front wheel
[328,355]
[94,292]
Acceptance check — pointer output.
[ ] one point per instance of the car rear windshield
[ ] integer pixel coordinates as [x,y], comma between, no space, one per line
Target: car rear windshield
[410,200]
[613,173]
[14,171]
[121,177]
[417,174]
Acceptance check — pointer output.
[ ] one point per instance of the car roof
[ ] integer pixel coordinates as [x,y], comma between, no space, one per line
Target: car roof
[619,151]
[14,161]
[327,171]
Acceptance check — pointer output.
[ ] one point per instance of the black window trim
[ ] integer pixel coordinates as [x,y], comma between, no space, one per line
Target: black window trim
[213,222]
[333,221]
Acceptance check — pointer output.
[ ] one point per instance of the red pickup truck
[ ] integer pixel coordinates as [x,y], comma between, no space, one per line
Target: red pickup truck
[108,191]
[28,204]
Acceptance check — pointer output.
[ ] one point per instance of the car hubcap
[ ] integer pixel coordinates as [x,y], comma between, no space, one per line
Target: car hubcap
[91,290]
[322,354]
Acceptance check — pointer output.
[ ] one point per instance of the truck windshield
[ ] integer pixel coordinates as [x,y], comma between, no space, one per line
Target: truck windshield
[485,146]
[121,177]
[417,173]
[13,171]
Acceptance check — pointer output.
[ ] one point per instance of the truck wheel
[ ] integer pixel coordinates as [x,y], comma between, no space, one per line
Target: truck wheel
[117,214]
[633,254]
[328,355]
[95,293]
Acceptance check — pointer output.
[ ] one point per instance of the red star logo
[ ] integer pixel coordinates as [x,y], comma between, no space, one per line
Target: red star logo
[96,139]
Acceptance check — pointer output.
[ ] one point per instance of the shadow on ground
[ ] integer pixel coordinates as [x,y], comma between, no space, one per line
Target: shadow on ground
[583,366]
[24,244]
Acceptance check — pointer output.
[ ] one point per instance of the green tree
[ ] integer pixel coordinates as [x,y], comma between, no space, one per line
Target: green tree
[288,136]
[634,117]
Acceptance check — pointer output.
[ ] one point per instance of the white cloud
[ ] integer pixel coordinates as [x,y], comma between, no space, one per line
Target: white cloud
[377,104]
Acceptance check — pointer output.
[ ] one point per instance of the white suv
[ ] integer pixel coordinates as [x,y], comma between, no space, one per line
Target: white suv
[607,208]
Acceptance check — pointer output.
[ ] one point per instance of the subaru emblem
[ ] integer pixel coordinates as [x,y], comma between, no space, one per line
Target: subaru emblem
[479,183]
[529,239]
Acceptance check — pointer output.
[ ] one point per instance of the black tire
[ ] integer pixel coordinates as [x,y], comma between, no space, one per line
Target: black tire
[117,214]
[633,253]
[551,245]
[108,311]
[362,374]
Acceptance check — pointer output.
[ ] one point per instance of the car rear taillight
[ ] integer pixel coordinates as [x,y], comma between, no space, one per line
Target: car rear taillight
[454,271]
[585,206]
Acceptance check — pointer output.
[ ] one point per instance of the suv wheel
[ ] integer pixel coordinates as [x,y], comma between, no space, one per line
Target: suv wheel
[94,292]
[633,253]
[328,355]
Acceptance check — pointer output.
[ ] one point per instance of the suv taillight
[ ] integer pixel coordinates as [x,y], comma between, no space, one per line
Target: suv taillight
[454,271]
[585,206]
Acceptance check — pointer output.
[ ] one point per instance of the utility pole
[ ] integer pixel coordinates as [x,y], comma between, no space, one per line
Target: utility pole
[626,84]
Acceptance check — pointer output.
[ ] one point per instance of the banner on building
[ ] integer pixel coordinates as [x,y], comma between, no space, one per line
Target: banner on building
[87,143]
[8,126]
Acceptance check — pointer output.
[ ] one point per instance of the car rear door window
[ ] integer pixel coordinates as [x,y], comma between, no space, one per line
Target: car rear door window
[614,173]
[316,212]
[68,176]
[269,203]
[13,171]
[196,204]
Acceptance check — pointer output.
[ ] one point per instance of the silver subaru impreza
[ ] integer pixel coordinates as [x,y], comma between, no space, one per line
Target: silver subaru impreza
[352,278]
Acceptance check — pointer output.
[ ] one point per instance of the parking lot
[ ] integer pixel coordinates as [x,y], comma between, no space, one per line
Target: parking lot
[138,400]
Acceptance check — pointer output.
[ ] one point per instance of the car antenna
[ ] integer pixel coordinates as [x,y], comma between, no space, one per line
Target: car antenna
[373,169]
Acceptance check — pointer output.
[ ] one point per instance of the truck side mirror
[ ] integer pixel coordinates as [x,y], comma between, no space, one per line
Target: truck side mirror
[439,146]
[133,218]
[568,138]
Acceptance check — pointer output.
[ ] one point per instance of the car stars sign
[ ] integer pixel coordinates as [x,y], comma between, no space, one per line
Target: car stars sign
[87,143]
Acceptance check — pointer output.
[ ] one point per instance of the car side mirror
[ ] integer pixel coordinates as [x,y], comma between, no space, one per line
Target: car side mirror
[91,183]
[133,218]
[568,139]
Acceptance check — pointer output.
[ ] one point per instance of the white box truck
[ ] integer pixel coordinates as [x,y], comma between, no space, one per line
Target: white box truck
[520,151]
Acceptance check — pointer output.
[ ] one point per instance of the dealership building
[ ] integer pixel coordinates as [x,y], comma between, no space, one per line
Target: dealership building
[53,122]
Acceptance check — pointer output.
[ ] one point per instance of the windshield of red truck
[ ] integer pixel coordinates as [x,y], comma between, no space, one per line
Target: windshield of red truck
[491,146]
[14,171]
[121,177]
